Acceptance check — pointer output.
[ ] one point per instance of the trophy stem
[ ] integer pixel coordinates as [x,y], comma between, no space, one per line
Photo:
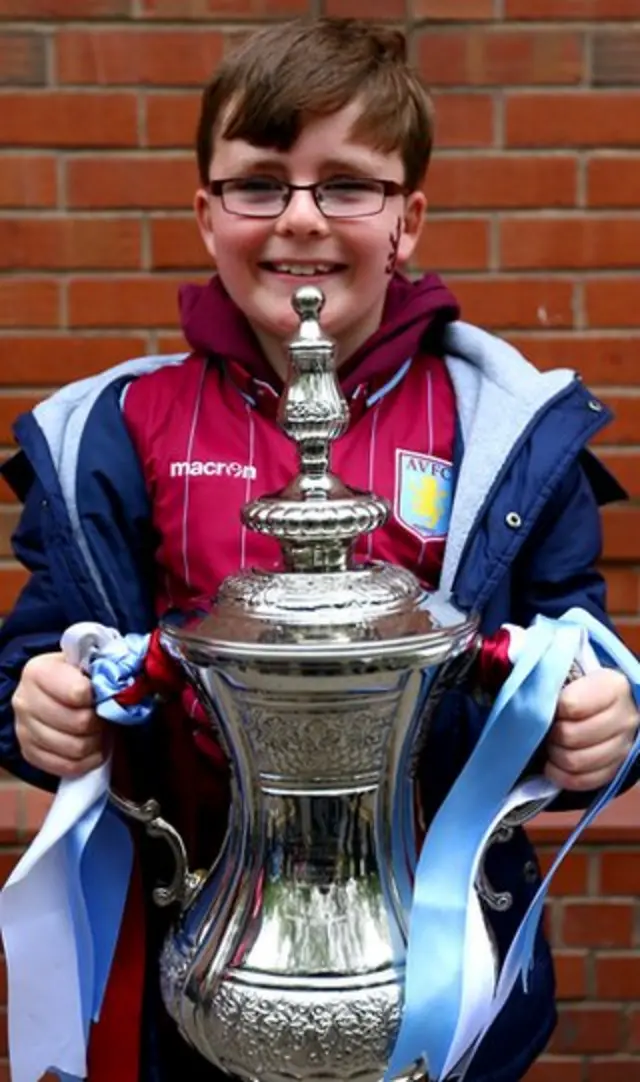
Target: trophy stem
[315,518]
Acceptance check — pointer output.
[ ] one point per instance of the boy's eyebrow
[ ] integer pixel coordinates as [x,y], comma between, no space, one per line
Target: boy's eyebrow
[346,165]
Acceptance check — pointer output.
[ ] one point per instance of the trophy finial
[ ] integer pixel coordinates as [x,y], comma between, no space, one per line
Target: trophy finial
[308,302]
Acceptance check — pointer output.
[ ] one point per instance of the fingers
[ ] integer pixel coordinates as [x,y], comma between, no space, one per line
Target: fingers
[594,729]
[588,732]
[592,695]
[54,676]
[34,703]
[62,751]
[56,726]
[59,766]
[588,767]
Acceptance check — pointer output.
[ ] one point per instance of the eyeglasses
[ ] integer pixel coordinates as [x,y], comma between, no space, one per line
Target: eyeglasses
[340,197]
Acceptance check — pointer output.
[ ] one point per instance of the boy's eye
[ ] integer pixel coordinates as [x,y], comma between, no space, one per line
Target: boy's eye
[344,195]
[256,185]
[349,185]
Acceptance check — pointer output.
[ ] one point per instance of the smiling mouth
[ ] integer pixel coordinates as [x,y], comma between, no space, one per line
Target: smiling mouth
[304,270]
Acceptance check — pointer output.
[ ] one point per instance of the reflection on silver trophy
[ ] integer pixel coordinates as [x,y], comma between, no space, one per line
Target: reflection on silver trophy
[286,960]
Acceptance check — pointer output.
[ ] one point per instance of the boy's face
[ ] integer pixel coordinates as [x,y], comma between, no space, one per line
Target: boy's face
[351,259]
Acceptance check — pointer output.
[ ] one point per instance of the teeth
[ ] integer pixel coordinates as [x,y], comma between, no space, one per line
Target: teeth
[302,269]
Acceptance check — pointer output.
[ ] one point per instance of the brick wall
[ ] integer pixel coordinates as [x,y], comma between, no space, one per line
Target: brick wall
[535,221]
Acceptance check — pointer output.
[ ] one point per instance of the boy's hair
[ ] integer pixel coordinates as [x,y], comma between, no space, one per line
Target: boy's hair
[283,75]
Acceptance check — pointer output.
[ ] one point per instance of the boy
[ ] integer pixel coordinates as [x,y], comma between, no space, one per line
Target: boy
[313,144]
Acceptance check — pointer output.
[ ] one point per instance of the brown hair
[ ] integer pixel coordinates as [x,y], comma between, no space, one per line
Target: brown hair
[282,75]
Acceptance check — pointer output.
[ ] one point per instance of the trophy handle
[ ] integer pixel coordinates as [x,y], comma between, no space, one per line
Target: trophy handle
[501,901]
[79,644]
[184,884]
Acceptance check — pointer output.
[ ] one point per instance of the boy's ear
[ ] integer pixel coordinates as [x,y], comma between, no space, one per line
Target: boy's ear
[413,223]
[202,208]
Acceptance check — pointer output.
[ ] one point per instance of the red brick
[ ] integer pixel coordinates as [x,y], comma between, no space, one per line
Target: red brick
[11,804]
[52,361]
[617,976]
[454,244]
[464,120]
[27,180]
[572,9]
[581,242]
[613,302]
[63,9]
[506,303]
[124,302]
[12,579]
[176,242]
[615,59]
[620,872]
[7,495]
[595,924]
[500,181]
[236,9]
[555,1069]
[463,10]
[625,425]
[500,57]
[67,119]
[613,1070]
[37,803]
[28,302]
[361,9]
[138,57]
[172,119]
[634,1030]
[9,857]
[629,631]
[621,532]
[623,594]
[131,183]
[22,59]
[172,343]
[626,468]
[600,359]
[572,877]
[11,405]
[571,974]
[613,180]
[8,523]
[587,1029]
[69,243]
[573,119]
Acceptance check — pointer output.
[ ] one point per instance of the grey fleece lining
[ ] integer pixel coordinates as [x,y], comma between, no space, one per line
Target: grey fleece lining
[498,394]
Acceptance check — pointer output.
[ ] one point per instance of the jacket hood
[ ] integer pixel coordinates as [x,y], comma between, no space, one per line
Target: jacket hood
[415,313]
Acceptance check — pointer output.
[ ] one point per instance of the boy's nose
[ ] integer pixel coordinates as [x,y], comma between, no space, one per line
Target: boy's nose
[302,215]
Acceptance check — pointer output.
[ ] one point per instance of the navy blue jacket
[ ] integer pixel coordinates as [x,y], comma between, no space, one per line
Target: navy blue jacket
[509,570]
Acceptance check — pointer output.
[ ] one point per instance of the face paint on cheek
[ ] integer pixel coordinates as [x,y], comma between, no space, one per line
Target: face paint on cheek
[395,244]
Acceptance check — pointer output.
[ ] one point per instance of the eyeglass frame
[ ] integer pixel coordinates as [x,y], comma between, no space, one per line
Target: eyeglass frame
[389,188]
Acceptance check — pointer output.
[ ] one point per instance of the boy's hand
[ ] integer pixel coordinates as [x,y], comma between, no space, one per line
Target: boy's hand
[56,726]
[594,727]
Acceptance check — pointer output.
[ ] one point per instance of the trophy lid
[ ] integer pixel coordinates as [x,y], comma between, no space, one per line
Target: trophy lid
[323,602]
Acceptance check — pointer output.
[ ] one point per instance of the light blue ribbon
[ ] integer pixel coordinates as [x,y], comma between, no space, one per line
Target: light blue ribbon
[99,850]
[517,725]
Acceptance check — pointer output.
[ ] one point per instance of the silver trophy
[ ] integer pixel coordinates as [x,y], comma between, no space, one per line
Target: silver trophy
[286,959]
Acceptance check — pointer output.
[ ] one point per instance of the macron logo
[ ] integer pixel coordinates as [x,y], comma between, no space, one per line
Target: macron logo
[212,469]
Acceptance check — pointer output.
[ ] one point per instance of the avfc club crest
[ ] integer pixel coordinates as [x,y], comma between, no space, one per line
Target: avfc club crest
[424,494]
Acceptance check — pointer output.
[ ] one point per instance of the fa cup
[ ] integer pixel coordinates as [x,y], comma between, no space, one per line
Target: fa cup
[320,679]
